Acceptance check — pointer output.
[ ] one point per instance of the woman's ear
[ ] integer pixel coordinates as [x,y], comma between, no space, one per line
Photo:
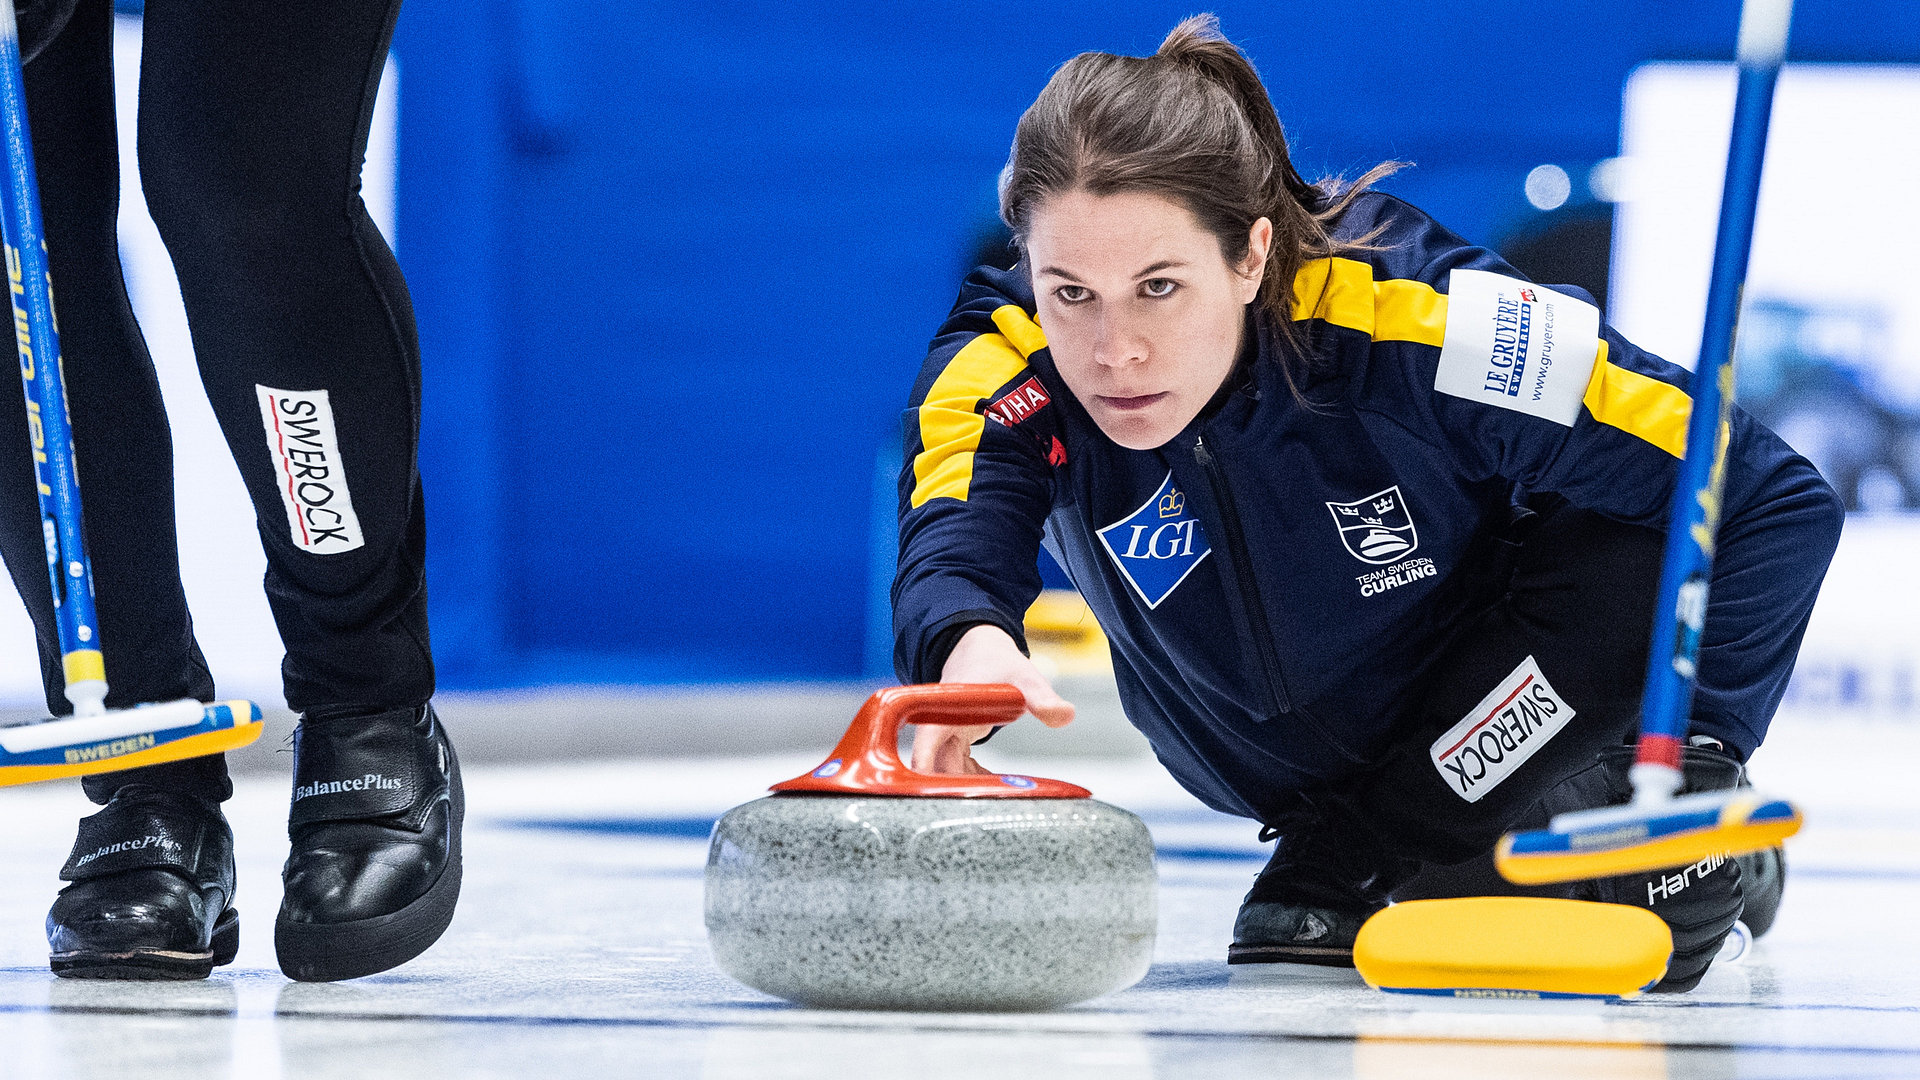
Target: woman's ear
[1253,268]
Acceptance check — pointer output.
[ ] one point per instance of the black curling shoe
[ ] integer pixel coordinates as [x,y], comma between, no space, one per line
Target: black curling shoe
[152,891]
[1763,877]
[374,871]
[1268,932]
[1308,904]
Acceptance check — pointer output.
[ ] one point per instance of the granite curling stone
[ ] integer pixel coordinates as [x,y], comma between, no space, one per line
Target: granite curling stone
[865,885]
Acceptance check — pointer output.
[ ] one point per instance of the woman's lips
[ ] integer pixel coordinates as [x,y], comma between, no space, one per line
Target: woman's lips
[1130,404]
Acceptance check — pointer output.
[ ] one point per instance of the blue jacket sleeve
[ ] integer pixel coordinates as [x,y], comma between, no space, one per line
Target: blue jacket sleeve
[1527,386]
[975,490]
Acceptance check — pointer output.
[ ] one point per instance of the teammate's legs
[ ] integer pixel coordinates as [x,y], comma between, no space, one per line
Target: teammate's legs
[253,125]
[132,910]
[124,450]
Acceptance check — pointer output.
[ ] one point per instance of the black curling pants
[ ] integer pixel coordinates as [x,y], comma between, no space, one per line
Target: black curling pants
[1526,694]
[1528,716]
[252,127]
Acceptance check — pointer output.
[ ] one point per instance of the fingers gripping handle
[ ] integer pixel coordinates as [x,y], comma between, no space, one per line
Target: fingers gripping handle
[950,704]
[867,759]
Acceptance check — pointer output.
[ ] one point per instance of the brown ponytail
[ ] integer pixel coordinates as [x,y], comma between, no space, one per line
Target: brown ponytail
[1192,123]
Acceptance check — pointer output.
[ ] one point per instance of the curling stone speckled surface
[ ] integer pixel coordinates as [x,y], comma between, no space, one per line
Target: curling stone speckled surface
[962,904]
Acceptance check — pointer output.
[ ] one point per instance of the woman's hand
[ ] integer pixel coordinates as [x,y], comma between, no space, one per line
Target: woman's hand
[984,654]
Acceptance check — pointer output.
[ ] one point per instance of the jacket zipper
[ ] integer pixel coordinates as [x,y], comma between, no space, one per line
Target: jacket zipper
[1243,570]
[1256,609]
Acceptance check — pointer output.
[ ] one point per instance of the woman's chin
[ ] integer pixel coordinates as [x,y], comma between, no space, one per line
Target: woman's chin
[1147,429]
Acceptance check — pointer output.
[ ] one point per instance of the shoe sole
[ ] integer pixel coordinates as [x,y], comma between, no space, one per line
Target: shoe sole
[330,952]
[154,965]
[1774,881]
[1318,955]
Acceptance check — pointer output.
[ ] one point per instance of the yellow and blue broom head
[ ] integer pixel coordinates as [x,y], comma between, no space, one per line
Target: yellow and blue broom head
[1648,836]
[53,749]
[1513,947]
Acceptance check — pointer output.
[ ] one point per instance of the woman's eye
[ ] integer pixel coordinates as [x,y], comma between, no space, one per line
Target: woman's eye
[1072,294]
[1159,288]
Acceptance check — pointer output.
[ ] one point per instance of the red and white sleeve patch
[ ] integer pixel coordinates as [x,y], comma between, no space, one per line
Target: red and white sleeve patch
[1019,403]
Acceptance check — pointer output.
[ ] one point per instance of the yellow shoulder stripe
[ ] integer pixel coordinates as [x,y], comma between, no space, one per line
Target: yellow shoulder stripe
[950,420]
[1019,329]
[1343,292]
[1640,405]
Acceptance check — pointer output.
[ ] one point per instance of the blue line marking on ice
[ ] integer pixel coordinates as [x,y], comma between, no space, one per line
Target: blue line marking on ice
[1211,854]
[701,827]
[663,828]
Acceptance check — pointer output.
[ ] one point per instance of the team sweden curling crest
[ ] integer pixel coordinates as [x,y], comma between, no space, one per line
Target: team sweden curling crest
[1378,528]
[1158,545]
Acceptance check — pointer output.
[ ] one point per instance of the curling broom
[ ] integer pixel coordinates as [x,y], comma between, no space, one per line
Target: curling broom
[1658,829]
[94,739]
[1513,947]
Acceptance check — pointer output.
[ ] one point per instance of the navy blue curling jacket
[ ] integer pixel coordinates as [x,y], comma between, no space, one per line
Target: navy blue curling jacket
[1277,579]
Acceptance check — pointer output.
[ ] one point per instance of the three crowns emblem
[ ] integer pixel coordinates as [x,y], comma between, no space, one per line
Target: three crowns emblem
[1382,536]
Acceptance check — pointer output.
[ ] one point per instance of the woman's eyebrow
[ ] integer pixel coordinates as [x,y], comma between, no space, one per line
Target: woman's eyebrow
[1163,264]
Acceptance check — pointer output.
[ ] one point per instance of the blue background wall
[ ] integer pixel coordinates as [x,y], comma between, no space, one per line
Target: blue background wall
[675,267]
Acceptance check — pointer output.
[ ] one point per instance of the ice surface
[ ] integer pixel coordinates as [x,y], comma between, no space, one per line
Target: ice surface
[579,951]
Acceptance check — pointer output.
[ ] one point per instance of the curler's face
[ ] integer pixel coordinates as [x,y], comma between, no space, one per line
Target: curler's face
[1142,311]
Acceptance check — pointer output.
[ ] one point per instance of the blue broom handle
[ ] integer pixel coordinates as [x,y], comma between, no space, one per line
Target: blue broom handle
[48,422]
[1695,514]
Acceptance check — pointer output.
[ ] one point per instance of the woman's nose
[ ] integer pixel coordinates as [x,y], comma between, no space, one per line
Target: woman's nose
[1116,342]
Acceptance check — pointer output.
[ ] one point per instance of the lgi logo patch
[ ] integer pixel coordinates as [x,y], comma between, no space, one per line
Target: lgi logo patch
[1377,529]
[1158,545]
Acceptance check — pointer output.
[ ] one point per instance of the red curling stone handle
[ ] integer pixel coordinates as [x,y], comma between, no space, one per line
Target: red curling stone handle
[867,759]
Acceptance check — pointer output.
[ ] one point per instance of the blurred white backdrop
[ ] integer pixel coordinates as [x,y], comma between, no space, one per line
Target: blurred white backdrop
[1830,334]
[1837,216]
